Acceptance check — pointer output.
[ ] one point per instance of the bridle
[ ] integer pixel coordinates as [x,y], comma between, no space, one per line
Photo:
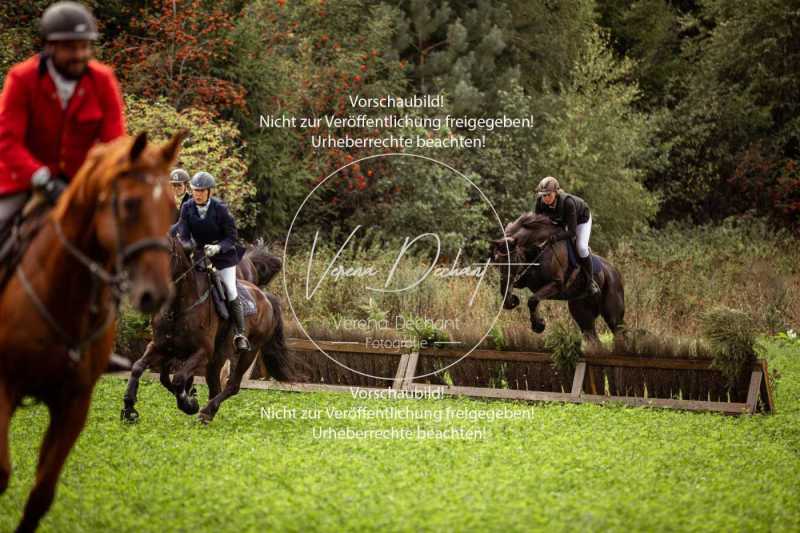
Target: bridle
[117,279]
[193,264]
[542,247]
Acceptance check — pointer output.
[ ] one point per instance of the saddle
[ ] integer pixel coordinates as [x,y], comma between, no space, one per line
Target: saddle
[220,301]
[20,232]
[572,253]
[573,267]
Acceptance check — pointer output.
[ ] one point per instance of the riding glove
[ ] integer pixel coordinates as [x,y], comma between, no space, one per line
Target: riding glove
[50,187]
[212,249]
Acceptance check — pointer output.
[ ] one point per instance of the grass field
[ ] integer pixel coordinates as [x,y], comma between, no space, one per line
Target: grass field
[554,468]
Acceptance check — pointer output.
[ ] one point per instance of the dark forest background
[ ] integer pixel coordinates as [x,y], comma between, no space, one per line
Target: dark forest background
[655,111]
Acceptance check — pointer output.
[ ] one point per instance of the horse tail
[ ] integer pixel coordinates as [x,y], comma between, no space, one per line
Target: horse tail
[274,352]
[613,298]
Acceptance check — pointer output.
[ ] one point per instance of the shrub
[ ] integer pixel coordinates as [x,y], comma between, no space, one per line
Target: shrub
[731,335]
[564,343]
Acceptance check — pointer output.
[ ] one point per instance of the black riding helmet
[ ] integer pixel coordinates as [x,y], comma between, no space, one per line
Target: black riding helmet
[68,21]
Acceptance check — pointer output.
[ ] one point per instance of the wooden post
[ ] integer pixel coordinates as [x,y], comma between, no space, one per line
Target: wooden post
[755,389]
[766,388]
[577,381]
[400,375]
[411,370]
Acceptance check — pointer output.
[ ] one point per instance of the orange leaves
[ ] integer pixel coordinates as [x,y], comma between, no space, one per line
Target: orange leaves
[175,53]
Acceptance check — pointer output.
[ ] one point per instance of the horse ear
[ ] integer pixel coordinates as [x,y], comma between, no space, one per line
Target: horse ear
[170,150]
[138,146]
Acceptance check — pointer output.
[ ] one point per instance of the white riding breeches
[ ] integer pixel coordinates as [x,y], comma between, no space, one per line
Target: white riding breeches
[582,238]
[228,277]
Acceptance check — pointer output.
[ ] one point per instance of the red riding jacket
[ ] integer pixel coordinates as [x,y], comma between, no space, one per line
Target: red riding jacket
[35,131]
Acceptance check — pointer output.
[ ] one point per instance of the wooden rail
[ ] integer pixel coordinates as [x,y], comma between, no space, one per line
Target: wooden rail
[759,391]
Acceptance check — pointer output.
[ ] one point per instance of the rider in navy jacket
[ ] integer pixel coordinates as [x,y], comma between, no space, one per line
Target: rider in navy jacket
[218,227]
[208,222]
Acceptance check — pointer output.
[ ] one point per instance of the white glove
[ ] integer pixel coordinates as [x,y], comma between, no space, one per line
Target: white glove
[40,177]
[212,249]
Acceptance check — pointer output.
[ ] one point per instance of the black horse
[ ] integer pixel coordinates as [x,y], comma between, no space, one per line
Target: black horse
[544,269]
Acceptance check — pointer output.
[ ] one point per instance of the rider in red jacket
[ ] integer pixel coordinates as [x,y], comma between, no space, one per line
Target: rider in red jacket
[54,107]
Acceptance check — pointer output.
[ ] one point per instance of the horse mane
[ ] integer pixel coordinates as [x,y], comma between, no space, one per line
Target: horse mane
[266,264]
[520,229]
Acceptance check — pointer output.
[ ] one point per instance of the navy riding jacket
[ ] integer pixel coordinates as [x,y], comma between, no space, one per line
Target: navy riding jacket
[218,227]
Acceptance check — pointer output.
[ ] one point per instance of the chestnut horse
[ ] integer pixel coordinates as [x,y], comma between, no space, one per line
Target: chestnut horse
[543,268]
[189,336]
[103,238]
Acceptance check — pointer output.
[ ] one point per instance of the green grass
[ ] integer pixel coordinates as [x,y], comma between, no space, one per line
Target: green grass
[566,467]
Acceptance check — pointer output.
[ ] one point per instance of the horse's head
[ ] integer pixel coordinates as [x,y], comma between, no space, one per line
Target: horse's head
[503,252]
[522,237]
[121,194]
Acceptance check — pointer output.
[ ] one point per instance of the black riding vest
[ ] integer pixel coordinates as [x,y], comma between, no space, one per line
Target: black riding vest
[558,215]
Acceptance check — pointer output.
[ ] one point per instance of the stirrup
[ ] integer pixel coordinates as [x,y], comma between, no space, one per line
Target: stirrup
[593,287]
[241,337]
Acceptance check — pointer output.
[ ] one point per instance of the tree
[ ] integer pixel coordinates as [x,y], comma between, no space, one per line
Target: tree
[213,145]
[740,98]
[176,50]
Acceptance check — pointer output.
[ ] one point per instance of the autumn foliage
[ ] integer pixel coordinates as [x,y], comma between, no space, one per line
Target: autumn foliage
[174,50]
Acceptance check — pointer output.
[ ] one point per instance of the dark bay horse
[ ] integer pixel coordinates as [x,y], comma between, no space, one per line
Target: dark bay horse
[258,266]
[103,238]
[543,268]
[189,335]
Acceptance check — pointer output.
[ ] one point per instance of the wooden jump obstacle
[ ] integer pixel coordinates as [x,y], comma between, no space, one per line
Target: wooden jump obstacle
[665,382]
[636,381]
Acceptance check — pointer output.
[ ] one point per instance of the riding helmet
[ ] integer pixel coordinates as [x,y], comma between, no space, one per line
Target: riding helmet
[547,185]
[203,180]
[179,176]
[68,21]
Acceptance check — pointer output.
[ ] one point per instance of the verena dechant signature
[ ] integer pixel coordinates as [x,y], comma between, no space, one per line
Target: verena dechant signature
[337,271]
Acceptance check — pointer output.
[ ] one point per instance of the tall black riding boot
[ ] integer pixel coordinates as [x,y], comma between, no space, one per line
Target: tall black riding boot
[586,266]
[237,315]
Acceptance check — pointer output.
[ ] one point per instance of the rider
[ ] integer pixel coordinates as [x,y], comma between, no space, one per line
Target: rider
[208,221]
[53,108]
[178,178]
[573,215]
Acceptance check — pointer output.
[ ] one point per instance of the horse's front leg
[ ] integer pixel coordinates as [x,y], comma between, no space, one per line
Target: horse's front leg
[150,358]
[238,369]
[67,418]
[537,322]
[183,378]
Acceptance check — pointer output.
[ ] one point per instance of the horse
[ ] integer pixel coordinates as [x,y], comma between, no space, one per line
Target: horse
[258,266]
[542,267]
[102,239]
[190,325]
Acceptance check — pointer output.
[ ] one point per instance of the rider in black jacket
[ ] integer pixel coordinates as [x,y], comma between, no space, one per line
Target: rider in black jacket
[573,215]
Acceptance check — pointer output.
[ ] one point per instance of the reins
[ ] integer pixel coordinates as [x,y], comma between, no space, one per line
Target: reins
[117,280]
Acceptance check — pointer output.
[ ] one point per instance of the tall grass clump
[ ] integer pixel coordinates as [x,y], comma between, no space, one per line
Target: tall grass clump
[731,335]
[563,341]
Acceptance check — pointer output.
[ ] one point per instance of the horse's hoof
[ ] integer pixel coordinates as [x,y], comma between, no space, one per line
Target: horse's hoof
[538,327]
[188,405]
[130,416]
[511,302]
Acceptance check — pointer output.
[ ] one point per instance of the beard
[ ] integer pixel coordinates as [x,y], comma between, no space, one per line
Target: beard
[71,70]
